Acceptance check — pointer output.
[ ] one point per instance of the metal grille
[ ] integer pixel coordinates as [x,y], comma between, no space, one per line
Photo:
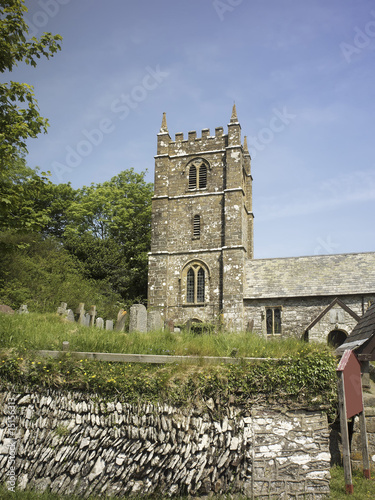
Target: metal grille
[190,286]
[197,226]
[202,176]
[192,177]
[200,286]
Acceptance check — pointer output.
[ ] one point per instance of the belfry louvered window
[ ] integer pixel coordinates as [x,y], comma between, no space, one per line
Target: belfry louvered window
[198,174]
[192,177]
[197,226]
[195,285]
[202,176]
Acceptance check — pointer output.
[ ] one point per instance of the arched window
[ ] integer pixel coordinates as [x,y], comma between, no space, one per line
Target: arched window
[196,284]
[190,279]
[200,285]
[192,177]
[197,226]
[202,176]
[198,174]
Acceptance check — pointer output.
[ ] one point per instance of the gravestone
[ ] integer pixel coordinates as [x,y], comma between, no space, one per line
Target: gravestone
[86,320]
[154,321]
[138,318]
[6,309]
[69,316]
[169,325]
[62,309]
[120,323]
[99,323]
[80,312]
[92,314]
[109,325]
[23,309]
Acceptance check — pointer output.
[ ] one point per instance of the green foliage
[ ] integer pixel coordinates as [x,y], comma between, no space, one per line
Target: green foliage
[21,193]
[304,376]
[109,231]
[364,489]
[19,114]
[41,274]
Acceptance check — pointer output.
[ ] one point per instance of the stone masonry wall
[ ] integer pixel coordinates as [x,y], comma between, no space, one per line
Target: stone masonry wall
[79,443]
[298,313]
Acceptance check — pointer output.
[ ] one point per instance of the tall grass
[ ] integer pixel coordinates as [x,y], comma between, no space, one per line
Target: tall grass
[48,331]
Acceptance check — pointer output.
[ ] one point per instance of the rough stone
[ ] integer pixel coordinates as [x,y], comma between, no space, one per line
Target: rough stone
[138,318]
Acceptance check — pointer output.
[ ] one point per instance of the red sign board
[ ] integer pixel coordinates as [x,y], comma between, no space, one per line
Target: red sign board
[351,370]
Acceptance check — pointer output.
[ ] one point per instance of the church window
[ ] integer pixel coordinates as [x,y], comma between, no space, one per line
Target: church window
[190,286]
[202,176]
[197,226]
[200,285]
[192,177]
[198,174]
[195,285]
[273,320]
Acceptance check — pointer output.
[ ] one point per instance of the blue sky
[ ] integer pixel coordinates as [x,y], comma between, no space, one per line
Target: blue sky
[301,74]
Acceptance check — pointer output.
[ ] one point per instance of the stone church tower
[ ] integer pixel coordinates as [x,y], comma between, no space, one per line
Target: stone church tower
[202,226]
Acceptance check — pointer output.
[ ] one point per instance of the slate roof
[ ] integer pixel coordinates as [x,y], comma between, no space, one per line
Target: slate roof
[362,338]
[318,275]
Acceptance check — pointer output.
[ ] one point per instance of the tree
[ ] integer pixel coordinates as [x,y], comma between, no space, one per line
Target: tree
[108,229]
[19,114]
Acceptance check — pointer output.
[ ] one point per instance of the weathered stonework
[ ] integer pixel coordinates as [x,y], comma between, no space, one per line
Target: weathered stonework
[80,444]
[220,204]
[202,220]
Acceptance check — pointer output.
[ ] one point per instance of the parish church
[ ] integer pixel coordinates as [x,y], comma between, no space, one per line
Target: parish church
[201,264]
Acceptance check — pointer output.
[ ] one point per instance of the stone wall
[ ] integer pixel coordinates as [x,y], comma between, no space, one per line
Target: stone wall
[298,312]
[78,443]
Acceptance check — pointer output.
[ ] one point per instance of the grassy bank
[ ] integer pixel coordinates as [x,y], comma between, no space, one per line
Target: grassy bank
[303,376]
[49,331]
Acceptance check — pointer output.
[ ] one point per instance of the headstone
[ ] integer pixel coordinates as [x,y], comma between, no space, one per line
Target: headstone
[92,314]
[86,320]
[6,309]
[154,321]
[120,323]
[138,318]
[99,323]
[177,330]
[23,309]
[250,326]
[69,316]
[169,325]
[62,309]
[80,312]
[109,324]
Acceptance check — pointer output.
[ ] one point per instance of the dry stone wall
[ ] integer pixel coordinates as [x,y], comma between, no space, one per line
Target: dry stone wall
[79,443]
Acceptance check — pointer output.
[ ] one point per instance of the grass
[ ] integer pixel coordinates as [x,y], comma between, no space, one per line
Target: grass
[304,374]
[364,489]
[48,331]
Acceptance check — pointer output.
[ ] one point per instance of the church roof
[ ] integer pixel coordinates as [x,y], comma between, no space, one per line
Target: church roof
[362,338]
[318,275]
